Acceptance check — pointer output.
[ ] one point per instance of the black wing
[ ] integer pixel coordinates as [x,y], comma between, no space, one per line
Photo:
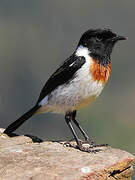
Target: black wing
[62,75]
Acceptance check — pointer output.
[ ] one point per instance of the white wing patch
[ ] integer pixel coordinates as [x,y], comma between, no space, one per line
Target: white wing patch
[71,64]
[44,101]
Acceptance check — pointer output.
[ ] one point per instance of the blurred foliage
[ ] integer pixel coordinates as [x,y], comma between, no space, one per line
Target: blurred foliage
[36,36]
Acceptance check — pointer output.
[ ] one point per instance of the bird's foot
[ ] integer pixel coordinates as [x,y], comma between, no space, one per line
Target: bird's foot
[92,144]
[88,141]
[86,146]
[100,145]
[87,149]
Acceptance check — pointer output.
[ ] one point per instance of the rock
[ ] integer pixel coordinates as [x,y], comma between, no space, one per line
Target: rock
[20,158]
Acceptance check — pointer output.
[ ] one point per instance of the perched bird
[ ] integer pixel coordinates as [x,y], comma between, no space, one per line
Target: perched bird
[77,82]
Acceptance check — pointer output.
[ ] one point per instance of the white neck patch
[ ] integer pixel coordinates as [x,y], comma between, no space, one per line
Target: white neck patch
[82,51]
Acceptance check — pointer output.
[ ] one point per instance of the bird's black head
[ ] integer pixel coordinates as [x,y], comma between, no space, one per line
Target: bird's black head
[100,43]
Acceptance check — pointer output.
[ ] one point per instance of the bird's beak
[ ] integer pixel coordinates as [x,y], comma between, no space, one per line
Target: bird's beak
[118,38]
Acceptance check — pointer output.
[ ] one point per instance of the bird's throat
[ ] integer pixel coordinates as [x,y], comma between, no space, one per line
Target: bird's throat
[100,72]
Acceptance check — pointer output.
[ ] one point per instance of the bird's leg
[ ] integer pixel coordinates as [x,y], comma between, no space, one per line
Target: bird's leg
[87,139]
[68,118]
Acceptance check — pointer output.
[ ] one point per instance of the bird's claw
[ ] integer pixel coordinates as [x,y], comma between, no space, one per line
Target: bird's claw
[86,146]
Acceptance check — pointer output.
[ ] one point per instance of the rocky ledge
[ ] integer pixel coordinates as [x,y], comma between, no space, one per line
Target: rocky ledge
[23,157]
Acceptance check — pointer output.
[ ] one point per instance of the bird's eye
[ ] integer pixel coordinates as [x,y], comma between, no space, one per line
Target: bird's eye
[99,38]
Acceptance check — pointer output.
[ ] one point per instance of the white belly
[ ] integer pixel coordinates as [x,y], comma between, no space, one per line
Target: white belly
[73,96]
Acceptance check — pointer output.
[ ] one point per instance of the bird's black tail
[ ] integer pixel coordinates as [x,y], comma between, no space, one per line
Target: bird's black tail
[12,127]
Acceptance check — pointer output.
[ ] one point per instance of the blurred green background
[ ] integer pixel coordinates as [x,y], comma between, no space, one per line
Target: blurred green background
[36,36]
